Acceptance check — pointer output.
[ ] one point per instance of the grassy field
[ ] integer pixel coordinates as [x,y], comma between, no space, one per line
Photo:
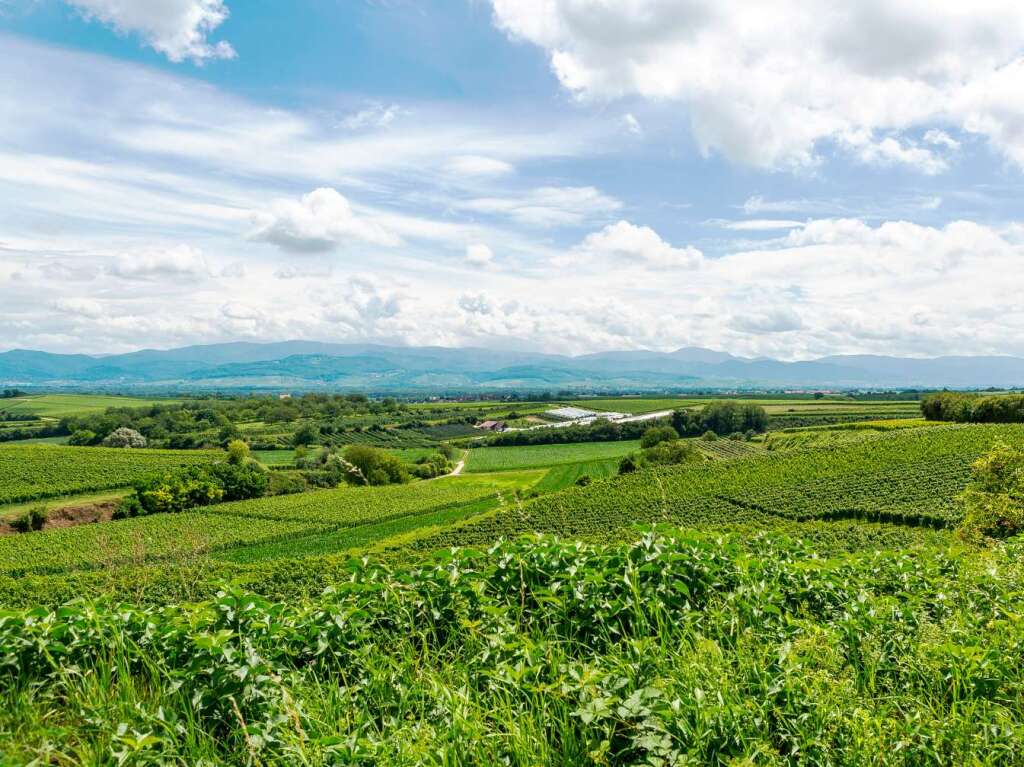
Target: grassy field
[538,456]
[59,405]
[29,472]
[82,499]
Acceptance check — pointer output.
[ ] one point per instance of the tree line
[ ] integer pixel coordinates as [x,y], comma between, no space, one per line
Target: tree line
[969,407]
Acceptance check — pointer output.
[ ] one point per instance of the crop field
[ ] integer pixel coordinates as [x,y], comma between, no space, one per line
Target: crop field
[59,405]
[559,477]
[29,472]
[488,459]
[282,520]
[907,477]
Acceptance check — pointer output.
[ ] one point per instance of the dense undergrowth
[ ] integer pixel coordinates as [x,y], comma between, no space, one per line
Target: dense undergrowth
[691,649]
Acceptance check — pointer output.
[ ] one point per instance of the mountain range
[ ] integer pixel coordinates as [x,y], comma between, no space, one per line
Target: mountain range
[311,365]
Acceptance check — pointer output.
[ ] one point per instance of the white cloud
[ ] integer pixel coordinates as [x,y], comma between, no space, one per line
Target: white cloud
[479,254]
[160,263]
[179,29]
[890,151]
[941,138]
[766,83]
[632,125]
[778,319]
[373,116]
[320,221]
[624,241]
[475,165]
[549,206]
[82,307]
[761,224]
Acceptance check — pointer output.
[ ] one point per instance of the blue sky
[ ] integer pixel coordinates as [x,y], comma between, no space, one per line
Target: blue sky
[567,175]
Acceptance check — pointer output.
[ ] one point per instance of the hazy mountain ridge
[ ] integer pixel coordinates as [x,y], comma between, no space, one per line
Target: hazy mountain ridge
[312,365]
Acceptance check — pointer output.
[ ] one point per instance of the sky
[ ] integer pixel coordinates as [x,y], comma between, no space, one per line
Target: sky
[791,178]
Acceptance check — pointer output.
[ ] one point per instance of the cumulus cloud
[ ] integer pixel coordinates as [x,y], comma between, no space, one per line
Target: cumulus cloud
[179,29]
[479,254]
[624,241]
[767,83]
[160,263]
[320,221]
[373,116]
[548,206]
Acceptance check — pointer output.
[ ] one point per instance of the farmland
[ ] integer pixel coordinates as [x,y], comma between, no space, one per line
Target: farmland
[790,577]
[510,458]
[29,472]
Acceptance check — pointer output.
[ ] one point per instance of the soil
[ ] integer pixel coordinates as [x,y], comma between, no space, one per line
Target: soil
[70,516]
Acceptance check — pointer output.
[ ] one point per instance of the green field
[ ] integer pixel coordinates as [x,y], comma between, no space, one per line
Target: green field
[59,405]
[804,600]
[488,459]
[29,472]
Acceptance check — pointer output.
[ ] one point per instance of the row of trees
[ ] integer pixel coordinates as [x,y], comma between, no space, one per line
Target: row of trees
[722,418]
[966,407]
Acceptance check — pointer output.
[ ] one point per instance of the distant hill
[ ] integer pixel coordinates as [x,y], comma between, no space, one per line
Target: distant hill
[311,365]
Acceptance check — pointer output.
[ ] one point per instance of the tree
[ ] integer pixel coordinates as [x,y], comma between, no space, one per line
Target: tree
[371,466]
[307,434]
[124,437]
[82,437]
[658,434]
[238,452]
[994,500]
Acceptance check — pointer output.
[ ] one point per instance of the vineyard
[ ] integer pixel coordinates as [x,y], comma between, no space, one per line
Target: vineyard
[491,459]
[907,477]
[30,472]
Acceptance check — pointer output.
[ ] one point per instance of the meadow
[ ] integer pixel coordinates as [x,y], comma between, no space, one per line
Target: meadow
[59,405]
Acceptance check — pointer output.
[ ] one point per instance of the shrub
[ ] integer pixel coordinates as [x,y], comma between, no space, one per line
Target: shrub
[658,434]
[370,466]
[238,452]
[994,500]
[307,434]
[709,436]
[124,437]
[82,438]
[285,483]
[31,520]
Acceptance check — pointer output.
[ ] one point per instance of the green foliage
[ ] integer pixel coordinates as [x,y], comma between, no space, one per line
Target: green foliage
[601,430]
[31,520]
[431,466]
[238,452]
[540,456]
[963,407]
[285,483]
[371,466]
[31,472]
[670,453]
[82,438]
[307,434]
[721,418]
[677,649]
[657,434]
[994,500]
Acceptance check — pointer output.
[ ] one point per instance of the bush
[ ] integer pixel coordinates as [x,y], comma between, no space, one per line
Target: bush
[307,434]
[663,454]
[82,438]
[722,418]
[124,437]
[994,500]
[658,434]
[31,520]
[709,436]
[371,466]
[285,483]
[238,452]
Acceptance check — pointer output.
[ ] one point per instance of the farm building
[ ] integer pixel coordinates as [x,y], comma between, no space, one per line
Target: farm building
[492,425]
